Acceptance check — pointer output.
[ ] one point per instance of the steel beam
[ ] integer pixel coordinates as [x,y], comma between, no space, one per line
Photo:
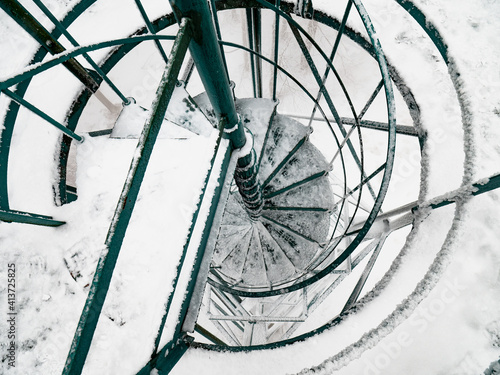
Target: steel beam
[65,32]
[209,61]
[105,267]
[207,57]
[29,23]
[28,218]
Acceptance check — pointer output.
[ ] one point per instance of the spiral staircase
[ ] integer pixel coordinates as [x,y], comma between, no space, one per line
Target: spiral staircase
[291,199]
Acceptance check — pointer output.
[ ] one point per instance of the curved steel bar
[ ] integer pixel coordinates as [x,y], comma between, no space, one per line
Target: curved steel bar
[338,120]
[322,89]
[113,58]
[439,42]
[231,288]
[389,160]
[69,54]
[389,97]
[112,43]
[382,64]
[295,80]
[13,108]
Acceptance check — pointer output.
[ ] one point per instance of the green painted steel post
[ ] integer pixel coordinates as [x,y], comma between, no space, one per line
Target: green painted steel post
[168,357]
[213,10]
[257,35]
[250,45]
[118,227]
[29,23]
[207,56]
[276,49]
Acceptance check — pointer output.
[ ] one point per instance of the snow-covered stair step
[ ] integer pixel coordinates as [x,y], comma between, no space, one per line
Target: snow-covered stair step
[312,225]
[252,256]
[280,245]
[318,197]
[279,267]
[254,268]
[182,120]
[284,137]
[261,253]
[183,111]
[232,264]
[256,115]
[305,166]
[203,103]
[299,250]
[229,238]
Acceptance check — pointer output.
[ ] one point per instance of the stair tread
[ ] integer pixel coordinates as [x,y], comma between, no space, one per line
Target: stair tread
[306,162]
[315,194]
[183,111]
[284,135]
[183,119]
[229,236]
[297,249]
[233,264]
[256,114]
[205,107]
[254,271]
[234,213]
[278,266]
[311,224]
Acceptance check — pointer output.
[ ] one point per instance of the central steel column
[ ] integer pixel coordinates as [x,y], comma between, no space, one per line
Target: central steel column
[207,56]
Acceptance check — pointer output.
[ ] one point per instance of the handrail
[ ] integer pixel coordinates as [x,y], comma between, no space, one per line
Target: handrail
[79,51]
[105,267]
[389,157]
[60,58]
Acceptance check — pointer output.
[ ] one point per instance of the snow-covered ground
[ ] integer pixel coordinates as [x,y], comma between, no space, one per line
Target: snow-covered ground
[447,324]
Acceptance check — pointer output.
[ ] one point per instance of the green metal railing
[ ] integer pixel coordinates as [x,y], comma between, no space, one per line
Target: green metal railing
[102,277]
[251,187]
[29,23]
[76,53]
[474,189]
[65,32]
[207,50]
[364,179]
[83,50]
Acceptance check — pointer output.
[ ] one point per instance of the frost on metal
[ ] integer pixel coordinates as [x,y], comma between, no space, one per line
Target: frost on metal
[295,220]
[183,119]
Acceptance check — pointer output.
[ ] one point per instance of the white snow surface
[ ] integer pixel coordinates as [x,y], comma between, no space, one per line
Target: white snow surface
[447,324]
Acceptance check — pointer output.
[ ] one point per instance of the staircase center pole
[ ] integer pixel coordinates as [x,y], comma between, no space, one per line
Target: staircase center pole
[207,55]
